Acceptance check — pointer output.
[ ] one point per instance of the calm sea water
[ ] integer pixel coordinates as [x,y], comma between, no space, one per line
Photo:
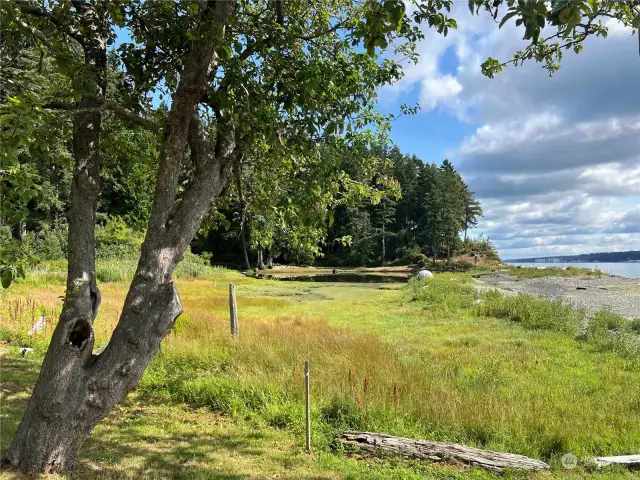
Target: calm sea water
[630,270]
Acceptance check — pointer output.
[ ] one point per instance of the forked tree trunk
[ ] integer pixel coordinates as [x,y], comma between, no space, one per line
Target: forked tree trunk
[76,389]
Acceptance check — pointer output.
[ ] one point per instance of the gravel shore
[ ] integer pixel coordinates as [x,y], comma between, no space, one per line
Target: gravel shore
[618,294]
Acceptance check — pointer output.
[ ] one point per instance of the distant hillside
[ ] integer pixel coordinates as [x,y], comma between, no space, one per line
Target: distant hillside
[632,255]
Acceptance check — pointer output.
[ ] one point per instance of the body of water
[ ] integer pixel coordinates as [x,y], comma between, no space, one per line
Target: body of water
[340,277]
[629,270]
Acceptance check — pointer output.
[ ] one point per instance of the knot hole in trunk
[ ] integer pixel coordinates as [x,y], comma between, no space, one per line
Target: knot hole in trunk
[79,333]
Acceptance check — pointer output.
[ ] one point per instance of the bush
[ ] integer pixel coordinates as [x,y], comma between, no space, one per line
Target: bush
[48,244]
[635,325]
[115,239]
[343,414]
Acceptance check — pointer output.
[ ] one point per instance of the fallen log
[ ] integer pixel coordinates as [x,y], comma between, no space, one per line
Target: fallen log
[629,461]
[377,443]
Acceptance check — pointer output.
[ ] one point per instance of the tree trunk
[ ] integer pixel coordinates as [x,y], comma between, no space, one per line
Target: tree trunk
[62,410]
[243,207]
[383,245]
[19,230]
[76,389]
[438,451]
[269,259]
[260,260]
[243,245]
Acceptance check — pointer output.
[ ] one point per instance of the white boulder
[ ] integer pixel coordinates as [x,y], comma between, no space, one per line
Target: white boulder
[422,274]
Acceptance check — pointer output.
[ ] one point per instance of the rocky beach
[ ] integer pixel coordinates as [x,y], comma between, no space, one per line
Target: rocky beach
[618,294]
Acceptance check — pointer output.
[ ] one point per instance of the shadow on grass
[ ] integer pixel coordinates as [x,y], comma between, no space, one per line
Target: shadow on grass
[145,439]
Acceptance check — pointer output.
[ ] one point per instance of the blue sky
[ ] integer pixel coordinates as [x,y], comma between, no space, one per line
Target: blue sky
[554,160]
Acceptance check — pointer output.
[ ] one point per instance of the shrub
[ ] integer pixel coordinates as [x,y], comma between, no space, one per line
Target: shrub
[635,325]
[343,413]
[115,239]
[48,244]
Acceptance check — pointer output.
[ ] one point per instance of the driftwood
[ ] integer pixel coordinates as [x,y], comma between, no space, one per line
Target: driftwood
[437,451]
[629,461]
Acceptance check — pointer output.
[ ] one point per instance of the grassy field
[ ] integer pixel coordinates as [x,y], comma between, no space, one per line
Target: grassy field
[501,374]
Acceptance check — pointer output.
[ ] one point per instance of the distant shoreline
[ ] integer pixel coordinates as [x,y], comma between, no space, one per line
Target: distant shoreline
[571,261]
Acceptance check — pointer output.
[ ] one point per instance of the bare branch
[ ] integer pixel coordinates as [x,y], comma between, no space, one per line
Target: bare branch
[121,111]
[32,30]
[29,8]
[313,36]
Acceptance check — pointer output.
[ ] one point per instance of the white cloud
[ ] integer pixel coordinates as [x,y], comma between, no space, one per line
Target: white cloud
[556,161]
[437,89]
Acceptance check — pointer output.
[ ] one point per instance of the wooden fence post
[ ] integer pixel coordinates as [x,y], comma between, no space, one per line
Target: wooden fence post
[233,311]
[308,405]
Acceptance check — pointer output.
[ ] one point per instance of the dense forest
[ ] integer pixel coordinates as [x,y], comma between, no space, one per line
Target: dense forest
[422,212]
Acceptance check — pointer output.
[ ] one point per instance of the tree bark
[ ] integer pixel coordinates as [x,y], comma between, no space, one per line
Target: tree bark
[438,451]
[629,461]
[76,389]
[269,263]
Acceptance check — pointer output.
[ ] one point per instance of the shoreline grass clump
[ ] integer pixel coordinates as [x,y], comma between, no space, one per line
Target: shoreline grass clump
[532,312]
[448,294]
[534,272]
[614,332]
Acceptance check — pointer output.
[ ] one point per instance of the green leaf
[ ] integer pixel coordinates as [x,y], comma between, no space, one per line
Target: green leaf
[635,23]
[193,9]
[507,17]
[564,15]
[224,52]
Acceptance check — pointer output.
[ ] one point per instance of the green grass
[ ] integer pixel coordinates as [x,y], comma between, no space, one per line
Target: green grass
[503,374]
[533,272]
